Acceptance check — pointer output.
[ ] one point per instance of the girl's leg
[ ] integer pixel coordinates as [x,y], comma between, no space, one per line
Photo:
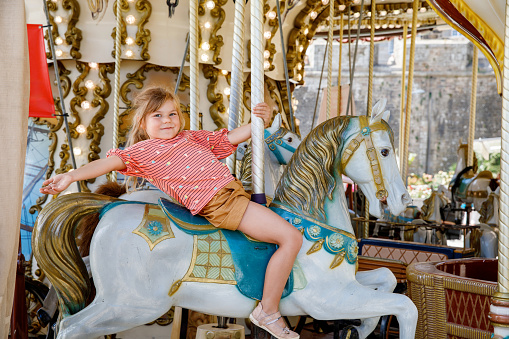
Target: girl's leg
[262,224]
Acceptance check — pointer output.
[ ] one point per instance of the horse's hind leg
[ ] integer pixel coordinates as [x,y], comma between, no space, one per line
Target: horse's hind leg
[99,319]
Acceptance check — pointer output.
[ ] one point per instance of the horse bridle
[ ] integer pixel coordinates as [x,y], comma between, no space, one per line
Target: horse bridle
[275,140]
[353,145]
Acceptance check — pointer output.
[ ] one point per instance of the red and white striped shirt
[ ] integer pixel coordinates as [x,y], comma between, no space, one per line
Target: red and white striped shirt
[185,167]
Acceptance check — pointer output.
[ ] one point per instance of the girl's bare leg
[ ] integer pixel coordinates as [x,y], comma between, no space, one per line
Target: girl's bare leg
[262,224]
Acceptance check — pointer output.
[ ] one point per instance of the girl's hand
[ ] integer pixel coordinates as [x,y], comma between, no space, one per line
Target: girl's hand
[262,110]
[56,184]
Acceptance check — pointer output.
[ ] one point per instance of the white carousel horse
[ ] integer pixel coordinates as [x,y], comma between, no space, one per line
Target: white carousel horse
[431,212]
[489,211]
[280,145]
[469,186]
[133,281]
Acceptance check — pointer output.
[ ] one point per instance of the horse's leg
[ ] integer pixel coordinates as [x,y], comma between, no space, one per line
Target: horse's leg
[381,279]
[355,301]
[101,318]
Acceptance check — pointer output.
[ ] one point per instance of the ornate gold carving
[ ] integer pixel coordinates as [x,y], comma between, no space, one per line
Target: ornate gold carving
[216,99]
[79,92]
[216,41]
[96,130]
[269,46]
[124,7]
[137,79]
[154,227]
[246,98]
[316,247]
[165,320]
[52,7]
[73,34]
[143,35]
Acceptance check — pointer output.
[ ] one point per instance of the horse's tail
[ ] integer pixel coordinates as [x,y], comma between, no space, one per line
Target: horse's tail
[54,247]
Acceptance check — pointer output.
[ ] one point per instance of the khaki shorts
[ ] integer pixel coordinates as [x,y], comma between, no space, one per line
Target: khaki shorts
[227,207]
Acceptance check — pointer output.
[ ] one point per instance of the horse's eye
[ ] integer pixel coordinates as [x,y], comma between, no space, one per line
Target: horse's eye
[384,152]
[290,139]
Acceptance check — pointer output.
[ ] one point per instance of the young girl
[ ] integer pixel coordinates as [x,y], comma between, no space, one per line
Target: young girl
[184,164]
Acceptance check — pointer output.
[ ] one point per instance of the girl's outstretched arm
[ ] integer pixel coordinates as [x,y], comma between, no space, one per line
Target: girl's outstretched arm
[96,168]
[242,133]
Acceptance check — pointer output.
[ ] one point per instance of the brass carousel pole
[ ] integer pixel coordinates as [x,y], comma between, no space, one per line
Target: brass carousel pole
[329,60]
[370,96]
[404,160]
[499,309]
[118,13]
[194,66]
[471,125]
[403,94]
[340,57]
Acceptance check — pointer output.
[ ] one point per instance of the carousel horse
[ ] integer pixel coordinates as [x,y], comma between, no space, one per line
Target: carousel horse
[280,145]
[432,212]
[485,239]
[152,259]
[467,186]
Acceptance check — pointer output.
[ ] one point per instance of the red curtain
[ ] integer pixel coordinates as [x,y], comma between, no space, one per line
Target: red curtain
[41,98]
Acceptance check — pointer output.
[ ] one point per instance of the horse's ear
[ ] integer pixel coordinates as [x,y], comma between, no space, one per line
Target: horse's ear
[378,112]
[276,124]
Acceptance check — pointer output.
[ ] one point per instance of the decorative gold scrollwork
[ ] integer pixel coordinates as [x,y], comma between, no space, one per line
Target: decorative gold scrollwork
[246,97]
[269,46]
[124,7]
[52,7]
[216,99]
[216,41]
[143,35]
[79,92]
[73,34]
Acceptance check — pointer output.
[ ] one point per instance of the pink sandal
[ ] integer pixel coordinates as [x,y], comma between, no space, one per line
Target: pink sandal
[268,323]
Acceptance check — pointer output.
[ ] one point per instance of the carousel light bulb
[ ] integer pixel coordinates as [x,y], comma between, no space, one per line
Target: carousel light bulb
[299,77]
[59,52]
[204,57]
[377,26]
[85,104]
[226,91]
[207,25]
[210,5]
[325,2]
[130,0]
[267,35]
[418,25]
[391,25]
[81,129]
[58,19]
[383,13]
[225,72]
[76,150]
[130,19]
[313,15]
[299,66]
[93,65]
[306,31]
[89,84]
[266,54]
[205,46]
[398,26]
[341,7]
[129,53]
[384,26]
[59,40]
[129,40]
[356,14]
[423,9]
[271,15]
[409,11]
[54,0]
[301,48]
[266,64]
[396,12]
[369,14]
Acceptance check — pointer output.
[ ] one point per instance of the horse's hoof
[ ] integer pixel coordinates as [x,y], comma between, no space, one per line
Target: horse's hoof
[349,332]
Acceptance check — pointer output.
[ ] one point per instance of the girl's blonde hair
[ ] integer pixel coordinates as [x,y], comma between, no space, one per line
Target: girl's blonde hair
[146,102]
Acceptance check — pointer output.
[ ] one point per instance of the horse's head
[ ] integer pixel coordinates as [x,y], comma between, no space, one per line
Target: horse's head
[281,142]
[368,159]
[489,207]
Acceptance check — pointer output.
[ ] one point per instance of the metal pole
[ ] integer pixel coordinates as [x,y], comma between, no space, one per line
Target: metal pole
[181,70]
[354,57]
[473,97]
[402,103]
[257,91]
[237,80]
[329,59]
[60,91]
[194,65]
[117,82]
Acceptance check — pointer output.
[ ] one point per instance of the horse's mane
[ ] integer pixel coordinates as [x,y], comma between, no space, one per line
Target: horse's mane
[487,209]
[246,172]
[428,206]
[87,224]
[308,179]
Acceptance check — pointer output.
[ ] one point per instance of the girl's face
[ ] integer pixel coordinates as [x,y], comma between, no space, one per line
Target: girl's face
[163,123]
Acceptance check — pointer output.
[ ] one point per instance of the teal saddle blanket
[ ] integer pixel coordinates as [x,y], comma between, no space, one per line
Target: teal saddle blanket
[250,258]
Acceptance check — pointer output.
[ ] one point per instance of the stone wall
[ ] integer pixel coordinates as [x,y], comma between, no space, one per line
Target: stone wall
[441,94]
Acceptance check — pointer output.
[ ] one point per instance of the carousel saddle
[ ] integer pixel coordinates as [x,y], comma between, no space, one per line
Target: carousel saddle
[250,257]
